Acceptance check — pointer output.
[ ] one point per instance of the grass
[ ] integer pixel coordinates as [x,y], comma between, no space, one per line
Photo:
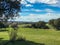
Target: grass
[44,36]
[49,37]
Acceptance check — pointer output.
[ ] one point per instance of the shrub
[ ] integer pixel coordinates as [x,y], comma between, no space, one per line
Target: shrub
[3,25]
[13,33]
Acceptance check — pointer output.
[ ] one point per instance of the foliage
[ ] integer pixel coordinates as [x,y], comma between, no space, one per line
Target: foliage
[51,22]
[40,24]
[8,10]
[13,34]
[55,23]
[3,25]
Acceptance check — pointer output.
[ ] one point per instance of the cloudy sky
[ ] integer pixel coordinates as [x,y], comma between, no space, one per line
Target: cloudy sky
[39,10]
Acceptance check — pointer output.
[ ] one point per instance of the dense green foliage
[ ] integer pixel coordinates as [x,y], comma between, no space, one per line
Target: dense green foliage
[55,23]
[8,10]
[40,24]
[3,25]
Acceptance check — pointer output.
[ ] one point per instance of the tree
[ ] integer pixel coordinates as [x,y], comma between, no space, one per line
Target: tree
[55,23]
[40,24]
[9,9]
[51,22]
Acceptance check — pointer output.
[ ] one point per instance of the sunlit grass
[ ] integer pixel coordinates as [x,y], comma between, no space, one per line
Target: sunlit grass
[46,36]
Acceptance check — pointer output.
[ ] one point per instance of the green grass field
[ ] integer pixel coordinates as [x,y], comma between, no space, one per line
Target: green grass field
[33,36]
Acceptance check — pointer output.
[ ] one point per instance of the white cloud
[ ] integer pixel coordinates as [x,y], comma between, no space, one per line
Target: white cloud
[29,5]
[34,10]
[31,1]
[44,1]
[38,17]
[51,2]
[23,2]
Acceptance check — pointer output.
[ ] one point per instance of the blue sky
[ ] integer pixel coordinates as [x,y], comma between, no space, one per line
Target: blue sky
[39,10]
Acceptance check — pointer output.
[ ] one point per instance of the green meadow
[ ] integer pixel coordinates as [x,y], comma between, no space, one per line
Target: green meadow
[32,36]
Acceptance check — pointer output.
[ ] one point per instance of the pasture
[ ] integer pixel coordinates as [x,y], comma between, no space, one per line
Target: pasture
[32,36]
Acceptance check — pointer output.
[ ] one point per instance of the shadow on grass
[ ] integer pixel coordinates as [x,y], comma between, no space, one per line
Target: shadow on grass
[3,30]
[18,42]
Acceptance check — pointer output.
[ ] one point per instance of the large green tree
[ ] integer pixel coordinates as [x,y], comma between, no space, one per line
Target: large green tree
[8,10]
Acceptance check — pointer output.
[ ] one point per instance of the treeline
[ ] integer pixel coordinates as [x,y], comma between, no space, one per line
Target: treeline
[43,25]
[40,24]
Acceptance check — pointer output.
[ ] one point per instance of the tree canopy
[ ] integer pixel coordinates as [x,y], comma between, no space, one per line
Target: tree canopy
[9,9]
[55,23]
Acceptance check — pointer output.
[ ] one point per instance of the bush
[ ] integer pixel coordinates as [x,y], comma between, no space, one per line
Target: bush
[3,25]
[13,33]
